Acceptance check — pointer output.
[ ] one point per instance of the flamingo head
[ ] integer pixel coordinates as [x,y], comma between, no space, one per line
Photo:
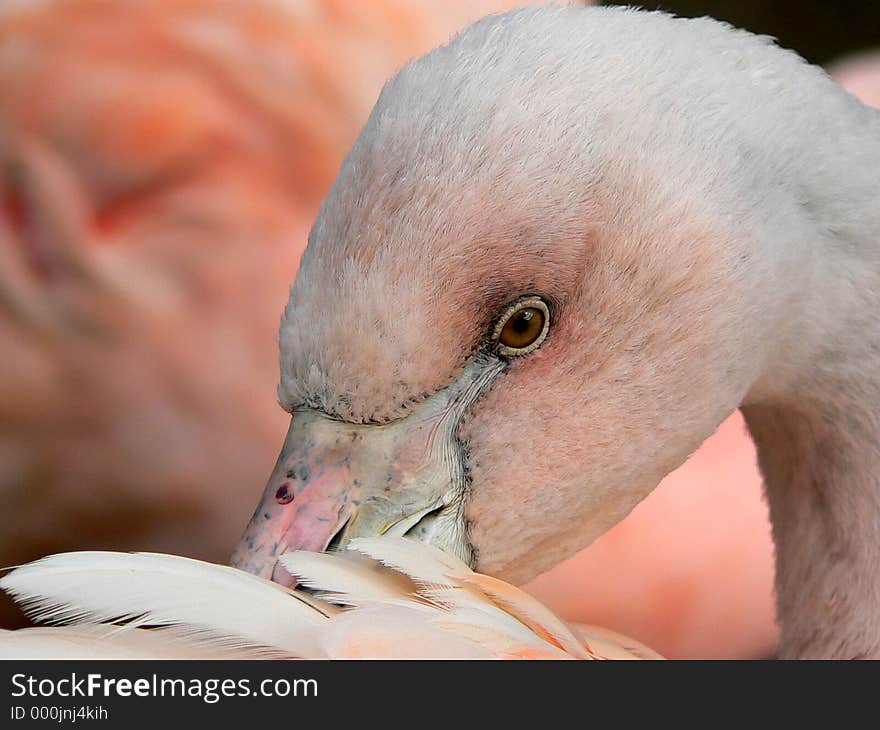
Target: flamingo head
[522,302]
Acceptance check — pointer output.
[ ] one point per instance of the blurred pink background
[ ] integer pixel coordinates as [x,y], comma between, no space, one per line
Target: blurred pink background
[161,165]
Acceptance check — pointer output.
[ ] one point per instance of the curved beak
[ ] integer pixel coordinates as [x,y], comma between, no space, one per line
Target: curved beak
[335,481]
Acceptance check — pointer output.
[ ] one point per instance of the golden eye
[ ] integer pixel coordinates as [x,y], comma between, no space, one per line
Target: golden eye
[522,327]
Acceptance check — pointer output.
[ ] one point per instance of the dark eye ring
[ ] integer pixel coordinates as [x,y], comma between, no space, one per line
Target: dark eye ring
[522,327]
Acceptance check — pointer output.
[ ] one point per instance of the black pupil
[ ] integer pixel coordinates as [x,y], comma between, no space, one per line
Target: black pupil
[522,321]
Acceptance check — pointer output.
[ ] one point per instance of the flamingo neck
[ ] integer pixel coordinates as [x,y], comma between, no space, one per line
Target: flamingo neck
[821,465]
[818,441]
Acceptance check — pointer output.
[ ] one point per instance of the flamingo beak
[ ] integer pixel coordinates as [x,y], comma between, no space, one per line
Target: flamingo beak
[335,480]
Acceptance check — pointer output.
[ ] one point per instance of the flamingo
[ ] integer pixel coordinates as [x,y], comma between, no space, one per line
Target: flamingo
[565,247]
[174,154]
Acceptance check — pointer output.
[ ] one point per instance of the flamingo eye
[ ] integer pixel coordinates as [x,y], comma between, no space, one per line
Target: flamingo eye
[522,327]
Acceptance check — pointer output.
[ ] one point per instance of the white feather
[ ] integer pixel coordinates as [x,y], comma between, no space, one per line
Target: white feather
[529,611]
[164,589]
[349,581]
[425,564]
[101,641]
[499,634]
[396,632]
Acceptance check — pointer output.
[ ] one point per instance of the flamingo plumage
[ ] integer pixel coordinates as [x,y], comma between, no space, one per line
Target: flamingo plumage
[384,598]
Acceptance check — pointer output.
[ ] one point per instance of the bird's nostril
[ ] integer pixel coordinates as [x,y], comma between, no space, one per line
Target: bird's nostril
[283,495]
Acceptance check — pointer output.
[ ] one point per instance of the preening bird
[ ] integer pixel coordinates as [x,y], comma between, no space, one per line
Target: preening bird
[161,162]
[402,599]
[564,248]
